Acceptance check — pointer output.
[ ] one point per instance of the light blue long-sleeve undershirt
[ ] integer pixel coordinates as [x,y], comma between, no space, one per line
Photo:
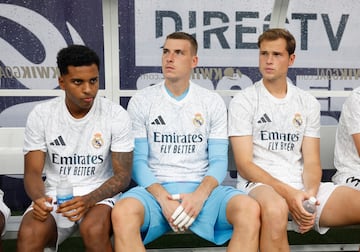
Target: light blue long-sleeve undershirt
[218,161]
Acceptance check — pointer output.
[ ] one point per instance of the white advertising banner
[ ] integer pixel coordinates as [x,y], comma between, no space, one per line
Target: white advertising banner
[227,31]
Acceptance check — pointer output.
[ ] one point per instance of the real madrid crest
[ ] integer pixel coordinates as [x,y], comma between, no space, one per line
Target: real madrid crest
[97,141]
[198,120]
[297,121]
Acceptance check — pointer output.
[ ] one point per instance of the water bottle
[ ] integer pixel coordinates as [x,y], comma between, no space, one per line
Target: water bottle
[64,192]
[310,205]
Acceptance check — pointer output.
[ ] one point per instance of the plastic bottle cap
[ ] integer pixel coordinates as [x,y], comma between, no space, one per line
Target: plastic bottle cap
[312,200]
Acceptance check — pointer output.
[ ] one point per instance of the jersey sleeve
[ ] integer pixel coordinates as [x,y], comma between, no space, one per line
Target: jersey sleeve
[137,112]
[313,124]
[122,137]
[240,116]
[351,113]
[34,138]
[218,119]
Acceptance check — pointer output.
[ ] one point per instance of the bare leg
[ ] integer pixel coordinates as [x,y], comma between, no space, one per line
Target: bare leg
[95,229]
[35,235]
[244,214]
[127,219]
[274,219]
[341,208]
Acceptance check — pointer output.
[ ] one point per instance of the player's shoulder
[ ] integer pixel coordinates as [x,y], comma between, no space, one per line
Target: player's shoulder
[204,93]
[353,99]
[48,105]
[250,93]
[149,91]
[355,94]
[110,107]
[305,95]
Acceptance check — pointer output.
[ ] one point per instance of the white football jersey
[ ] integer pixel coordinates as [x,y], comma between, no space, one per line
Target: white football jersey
[277,127]
[79,148]
[178,131]
[346,157]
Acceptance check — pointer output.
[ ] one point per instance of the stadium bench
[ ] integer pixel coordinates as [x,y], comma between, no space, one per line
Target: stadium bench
[12,161]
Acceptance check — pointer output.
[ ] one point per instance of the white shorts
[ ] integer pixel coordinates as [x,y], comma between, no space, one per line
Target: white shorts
[4,210]
[347,179]
[64,233]
[324,192]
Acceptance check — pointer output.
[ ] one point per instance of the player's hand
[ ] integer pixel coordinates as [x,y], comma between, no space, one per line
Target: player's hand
[186,213]
[74,209]
[168,207]
[303,218]
[42,208]
[181,219]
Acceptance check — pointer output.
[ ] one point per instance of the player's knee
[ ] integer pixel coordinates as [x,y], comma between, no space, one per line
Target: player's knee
[244,211]
[34,236]
[275,211]
[124,210]
[25,233]
[95,230]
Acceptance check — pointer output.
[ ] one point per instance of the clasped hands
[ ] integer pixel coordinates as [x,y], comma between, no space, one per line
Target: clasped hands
[181,220]
[73,209]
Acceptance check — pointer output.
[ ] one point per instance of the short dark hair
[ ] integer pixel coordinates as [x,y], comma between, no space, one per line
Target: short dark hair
[276,33]
[185,36]
[76,55]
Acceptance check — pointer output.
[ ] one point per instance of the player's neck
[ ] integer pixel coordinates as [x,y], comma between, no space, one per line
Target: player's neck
[277,88]
[76,112]
[176,89]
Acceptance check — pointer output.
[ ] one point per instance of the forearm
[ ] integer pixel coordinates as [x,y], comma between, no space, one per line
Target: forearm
[33,181]
[312,179]
[34,185]
[312,166]
[122,165]
[243,153]
[207,185]
[108,189]
[159,192]
[255,173]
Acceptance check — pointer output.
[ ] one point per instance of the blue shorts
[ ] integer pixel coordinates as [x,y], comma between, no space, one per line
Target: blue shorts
[211,224]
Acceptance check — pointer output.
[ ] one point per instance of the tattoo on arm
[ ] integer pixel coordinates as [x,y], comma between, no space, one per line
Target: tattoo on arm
[122,167]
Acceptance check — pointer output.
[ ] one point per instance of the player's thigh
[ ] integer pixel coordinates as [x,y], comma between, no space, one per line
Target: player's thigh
[31,228]
[270,201]
[99,217]
[341,208]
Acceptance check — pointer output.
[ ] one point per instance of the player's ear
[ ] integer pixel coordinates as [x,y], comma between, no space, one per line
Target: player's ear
[195,61]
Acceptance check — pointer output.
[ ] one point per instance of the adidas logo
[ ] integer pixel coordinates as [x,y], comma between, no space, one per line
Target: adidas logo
[159,121]
[264,119]
[58,141]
